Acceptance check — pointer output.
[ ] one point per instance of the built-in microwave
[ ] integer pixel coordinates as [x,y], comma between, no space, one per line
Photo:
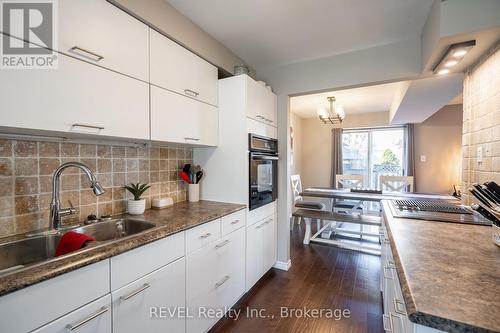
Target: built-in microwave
[263,168]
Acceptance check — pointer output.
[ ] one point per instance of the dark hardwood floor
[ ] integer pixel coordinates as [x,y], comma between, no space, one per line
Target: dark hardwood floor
[321,277]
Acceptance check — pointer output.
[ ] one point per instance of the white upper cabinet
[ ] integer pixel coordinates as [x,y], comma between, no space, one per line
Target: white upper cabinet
[175,118]
[75,98]
[261,103]
[176,68]
[100,33]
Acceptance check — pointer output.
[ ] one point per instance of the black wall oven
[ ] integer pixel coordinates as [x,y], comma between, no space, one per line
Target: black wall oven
[263,160]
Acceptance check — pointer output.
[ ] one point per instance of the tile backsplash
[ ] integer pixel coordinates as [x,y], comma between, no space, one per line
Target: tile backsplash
[481,127]
[26,169]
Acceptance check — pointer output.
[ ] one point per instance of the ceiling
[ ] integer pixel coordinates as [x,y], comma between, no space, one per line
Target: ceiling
[357,100]
[268,33]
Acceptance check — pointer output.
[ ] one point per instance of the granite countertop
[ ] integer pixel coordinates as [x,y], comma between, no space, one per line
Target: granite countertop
[181,216]
[449,273]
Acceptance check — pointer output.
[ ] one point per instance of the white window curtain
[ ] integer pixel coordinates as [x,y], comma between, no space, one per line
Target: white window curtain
[409,168]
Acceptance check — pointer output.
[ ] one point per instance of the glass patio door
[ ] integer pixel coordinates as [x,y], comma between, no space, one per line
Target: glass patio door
[373,152]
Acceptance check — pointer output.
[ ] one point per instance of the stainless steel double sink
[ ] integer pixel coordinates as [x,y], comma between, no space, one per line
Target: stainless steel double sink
[37,248]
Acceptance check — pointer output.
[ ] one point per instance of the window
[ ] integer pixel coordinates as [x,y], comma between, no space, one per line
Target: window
[373,152]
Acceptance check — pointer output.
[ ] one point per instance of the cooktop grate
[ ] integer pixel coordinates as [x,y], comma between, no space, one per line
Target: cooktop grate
[440,206]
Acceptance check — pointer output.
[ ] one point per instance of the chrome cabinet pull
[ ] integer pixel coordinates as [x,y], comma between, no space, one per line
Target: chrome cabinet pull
[235,221]
[86,53]
[73,327]
[224,243]
[221,282]
[191,139]
[88,126]
[397,302]
[132,294]
[191,93]
[268,221]
[208,234]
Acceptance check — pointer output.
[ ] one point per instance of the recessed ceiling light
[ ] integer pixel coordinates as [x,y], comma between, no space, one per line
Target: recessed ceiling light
[459,53]
[450,63]
[453,55]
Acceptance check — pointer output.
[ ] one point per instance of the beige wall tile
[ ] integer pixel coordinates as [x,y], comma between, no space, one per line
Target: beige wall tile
[25,148]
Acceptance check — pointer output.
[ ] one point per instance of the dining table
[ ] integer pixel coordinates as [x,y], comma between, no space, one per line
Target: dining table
[357,199]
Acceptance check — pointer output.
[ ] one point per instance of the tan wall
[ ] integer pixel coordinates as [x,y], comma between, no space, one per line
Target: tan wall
[296,163]
[481,126]
[172,23]
[26,169]
[317,144]
[439,138]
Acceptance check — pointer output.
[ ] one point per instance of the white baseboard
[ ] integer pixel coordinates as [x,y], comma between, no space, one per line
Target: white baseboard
[284,266]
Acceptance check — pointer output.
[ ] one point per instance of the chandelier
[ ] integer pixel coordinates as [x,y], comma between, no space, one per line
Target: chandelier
[334,115]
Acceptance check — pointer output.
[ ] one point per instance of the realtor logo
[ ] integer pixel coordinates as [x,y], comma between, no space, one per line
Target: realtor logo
[32,21]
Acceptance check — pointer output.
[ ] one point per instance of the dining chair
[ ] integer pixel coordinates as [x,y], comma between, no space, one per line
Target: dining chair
[397,183]
[344,181]
[299,202]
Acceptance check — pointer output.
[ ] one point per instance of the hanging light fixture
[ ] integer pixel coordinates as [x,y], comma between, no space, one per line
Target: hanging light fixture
[334,115]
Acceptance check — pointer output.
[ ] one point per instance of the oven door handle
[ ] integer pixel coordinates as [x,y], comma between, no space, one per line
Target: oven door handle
[263,157]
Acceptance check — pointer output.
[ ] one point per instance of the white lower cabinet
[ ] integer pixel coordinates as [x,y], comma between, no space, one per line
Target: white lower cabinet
[261,249]
[153,303]
[215,280]
[94,317]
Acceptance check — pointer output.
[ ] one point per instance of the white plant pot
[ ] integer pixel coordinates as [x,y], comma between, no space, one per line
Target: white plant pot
[194,192]
[136,207]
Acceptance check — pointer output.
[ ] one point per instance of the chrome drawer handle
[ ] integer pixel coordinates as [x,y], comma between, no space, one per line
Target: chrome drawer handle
[268,221]
[88,126]
[224,243]
[191,93]
[235,221]
[191,139]
[102,311]
[208,234]
[221,282]
[396,307]
[86,53]
[138,291]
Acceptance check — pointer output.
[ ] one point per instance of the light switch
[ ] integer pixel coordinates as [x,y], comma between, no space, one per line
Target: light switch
[423,158]
[479,154]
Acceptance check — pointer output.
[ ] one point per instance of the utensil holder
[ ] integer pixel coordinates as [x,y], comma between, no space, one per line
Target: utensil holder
[194,192]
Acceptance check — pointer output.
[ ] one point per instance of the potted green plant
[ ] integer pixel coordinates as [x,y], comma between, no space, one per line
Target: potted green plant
[137,205]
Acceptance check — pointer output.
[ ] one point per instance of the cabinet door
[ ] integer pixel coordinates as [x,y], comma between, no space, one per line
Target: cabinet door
[254,254]
[175,68]
[175,118]
[270,102]
[269,243]
[100,33]
[254,100]
[94,317]
[151,304]
[76,98]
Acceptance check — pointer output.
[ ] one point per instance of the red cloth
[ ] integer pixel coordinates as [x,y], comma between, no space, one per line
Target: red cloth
[72,241]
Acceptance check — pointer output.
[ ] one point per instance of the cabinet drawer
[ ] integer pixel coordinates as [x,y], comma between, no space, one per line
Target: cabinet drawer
[232,222]
[202,235]
[230,282]
[34,306]
[91,318]
[130,266]
[175,68]
[138,306]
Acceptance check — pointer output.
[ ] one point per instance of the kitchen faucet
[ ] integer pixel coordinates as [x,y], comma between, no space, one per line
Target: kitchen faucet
[56,212]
